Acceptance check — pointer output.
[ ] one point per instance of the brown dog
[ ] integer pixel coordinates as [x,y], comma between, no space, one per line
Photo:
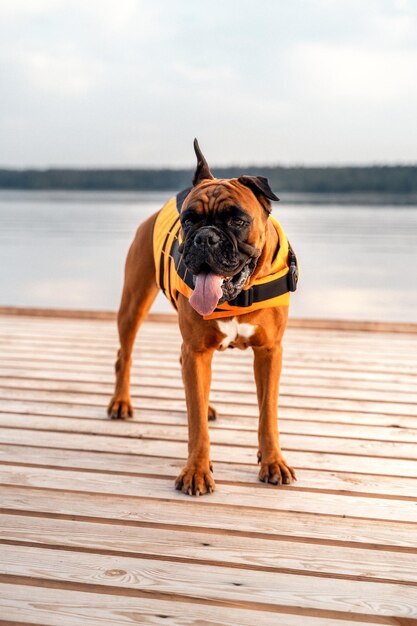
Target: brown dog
[227,267]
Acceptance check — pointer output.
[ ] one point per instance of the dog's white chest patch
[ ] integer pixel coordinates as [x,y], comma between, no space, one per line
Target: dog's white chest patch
[234,331]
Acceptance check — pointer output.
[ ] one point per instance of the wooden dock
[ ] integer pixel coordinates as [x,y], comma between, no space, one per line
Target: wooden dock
[93,533]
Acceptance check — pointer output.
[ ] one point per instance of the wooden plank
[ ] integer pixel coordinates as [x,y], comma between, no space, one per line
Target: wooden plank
[75,422]
[58,329]
[220,549]
[65,358]
[345,482]
[50,325]
[222,436]
[298,358]
[91,329]
[28,407]
[291,377]
[245,387]
[168,398]
[75,327]
[255,496]
[190,515]
[245,390]
[317,340]
[354,325]
[38,605]
[229,454]
[39,313]
[354,400]
[96,344]
[213,582]
[340,359]
[102,492]
[33,312]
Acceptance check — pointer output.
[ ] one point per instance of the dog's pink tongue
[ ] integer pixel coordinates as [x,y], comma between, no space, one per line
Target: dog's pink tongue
[207,292]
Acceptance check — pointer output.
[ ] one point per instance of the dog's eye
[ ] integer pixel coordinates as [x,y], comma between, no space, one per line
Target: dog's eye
[236,221]
[187,223]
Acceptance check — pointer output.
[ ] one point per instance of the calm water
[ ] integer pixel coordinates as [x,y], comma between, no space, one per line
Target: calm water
[67,249]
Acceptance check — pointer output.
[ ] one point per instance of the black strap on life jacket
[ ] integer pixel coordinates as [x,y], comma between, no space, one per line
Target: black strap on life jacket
[256,293]
[181,197]
[164,254]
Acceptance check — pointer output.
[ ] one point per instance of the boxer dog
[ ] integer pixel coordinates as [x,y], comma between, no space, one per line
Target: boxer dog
[227,247]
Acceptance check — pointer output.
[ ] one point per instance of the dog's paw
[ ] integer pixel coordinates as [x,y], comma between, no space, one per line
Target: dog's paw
[119,409]
[196,479]
[212,413]
[275,470]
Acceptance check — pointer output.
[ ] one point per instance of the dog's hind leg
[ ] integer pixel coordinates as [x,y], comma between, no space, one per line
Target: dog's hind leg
[139,292]
[212,413]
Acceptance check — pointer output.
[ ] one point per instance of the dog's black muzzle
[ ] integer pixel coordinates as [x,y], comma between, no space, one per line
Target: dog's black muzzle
[210,248]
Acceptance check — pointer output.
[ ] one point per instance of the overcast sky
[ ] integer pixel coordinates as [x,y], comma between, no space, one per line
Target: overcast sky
[131,82]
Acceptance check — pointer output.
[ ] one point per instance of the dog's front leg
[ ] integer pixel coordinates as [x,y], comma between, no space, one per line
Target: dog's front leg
[267,367]
[196,478]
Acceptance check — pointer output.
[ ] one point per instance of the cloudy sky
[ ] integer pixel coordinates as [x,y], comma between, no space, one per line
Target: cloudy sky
[131,82]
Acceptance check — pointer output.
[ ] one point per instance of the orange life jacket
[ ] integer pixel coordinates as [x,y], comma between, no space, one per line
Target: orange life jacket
[173,277]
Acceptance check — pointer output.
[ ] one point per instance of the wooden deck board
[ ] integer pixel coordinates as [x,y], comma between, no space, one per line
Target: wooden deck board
[93,532]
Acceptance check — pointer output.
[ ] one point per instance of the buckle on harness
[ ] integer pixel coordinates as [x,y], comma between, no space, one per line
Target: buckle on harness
[292,275]
[245,298]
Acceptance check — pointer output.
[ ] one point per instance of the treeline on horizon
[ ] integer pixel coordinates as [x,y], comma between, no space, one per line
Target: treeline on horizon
[376,178]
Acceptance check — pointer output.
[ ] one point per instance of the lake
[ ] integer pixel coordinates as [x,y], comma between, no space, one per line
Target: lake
[67,250]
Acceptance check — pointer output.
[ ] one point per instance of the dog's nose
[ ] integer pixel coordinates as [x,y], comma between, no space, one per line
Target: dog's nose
[206,236]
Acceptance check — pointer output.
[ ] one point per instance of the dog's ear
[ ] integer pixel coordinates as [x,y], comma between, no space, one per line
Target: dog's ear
[203,171]
[259,186]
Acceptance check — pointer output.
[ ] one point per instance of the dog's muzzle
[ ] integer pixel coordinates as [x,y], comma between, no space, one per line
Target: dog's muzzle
[220,263]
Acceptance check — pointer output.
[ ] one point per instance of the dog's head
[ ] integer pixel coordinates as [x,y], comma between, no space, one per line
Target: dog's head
[223,224]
